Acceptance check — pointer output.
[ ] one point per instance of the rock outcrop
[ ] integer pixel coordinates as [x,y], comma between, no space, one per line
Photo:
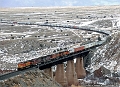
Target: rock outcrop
[30,79]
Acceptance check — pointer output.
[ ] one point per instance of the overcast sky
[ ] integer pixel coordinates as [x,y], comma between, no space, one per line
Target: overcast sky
[49,3]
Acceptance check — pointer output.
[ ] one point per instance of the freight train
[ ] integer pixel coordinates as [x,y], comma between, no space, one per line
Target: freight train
[64,51]
[59,53]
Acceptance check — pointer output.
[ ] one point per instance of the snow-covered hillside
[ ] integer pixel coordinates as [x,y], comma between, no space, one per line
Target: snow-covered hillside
[108,55]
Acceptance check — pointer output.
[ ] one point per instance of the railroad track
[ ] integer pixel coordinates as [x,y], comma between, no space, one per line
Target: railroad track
[15,73]
[57,60]
[43,66]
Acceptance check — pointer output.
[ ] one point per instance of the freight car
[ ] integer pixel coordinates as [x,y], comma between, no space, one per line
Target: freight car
[59,53]
[41,60]
[33,62]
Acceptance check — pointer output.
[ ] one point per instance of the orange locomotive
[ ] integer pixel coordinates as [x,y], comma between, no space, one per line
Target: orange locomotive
[56,55]
[23,65]
[34,62]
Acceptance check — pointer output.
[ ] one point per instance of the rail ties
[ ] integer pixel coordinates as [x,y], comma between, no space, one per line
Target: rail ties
[8,75]
[15,73]
[5,76]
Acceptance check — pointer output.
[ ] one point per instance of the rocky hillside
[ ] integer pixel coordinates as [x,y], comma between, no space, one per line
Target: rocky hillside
[105,67]
[108,55]
[30,79]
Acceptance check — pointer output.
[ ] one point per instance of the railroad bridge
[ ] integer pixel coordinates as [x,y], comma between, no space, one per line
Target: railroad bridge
[73,72]
[69,75]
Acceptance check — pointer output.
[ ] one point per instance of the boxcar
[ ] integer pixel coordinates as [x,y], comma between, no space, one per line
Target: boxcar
[35,61]
[66,53]
[79,48]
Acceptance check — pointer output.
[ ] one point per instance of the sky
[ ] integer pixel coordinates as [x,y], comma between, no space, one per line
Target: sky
[51,3]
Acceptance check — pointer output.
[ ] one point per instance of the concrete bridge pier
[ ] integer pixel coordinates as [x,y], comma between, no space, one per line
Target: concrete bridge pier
[60,76]
[49,72]
[71,74]
[80,70]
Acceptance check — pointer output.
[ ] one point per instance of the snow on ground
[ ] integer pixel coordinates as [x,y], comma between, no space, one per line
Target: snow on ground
[118,23]
[35,54]
[108,55]
[87,23]
[104,55]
